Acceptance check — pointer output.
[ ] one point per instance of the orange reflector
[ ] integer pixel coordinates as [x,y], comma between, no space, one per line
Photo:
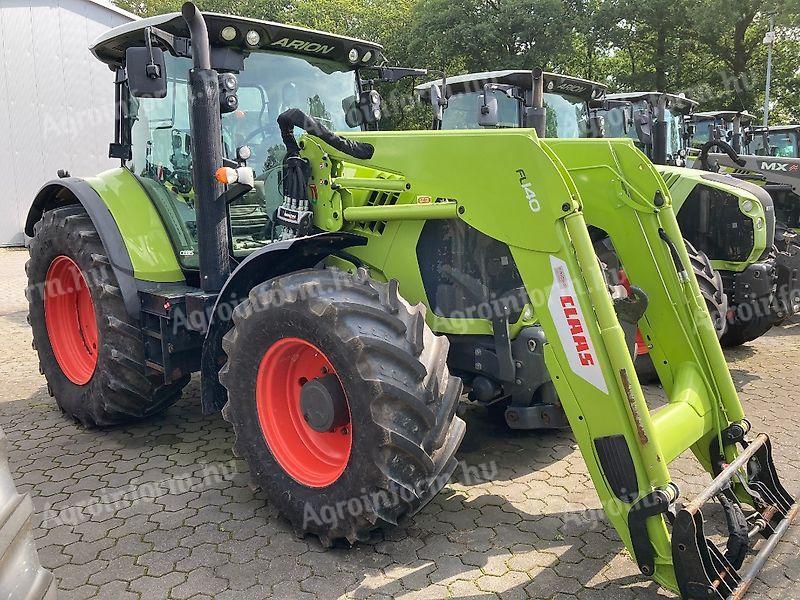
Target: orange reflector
[226,175]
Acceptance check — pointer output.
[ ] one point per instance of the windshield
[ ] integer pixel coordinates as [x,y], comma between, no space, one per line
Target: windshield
[567,116]
[269,84]
[463,109]
[702,131]
[674,132]
[782,144]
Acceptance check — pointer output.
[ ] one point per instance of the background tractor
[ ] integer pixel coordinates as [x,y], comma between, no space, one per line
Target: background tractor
[744,151]
[323,335]
[729,245]
[731,220]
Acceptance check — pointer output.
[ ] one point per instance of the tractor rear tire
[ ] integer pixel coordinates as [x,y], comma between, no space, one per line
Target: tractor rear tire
[384,445]
[90,350]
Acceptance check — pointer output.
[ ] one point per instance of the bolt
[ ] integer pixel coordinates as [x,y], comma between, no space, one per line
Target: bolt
[478,351]
[518,381]
[512,417]
[461,210]
[518,364]
[478,366]
[531,345]
[566,206]
[345,431]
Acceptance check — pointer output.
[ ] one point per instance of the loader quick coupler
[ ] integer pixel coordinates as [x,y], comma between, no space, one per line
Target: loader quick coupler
[702,569]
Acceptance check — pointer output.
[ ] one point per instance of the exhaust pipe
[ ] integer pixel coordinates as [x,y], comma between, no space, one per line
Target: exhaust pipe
[212,215]
[536,113]
[659,151]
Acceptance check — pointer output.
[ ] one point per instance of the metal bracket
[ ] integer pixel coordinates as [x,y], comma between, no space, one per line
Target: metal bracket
[506,371]
[653,504]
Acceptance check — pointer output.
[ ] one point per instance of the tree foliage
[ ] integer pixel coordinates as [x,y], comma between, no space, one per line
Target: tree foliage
[710,49]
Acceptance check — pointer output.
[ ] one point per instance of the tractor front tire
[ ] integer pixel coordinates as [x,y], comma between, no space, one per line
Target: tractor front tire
[341,401]
[90,350]
[711,288]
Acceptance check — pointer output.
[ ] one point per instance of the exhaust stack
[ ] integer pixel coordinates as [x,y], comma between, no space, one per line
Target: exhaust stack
[212,214]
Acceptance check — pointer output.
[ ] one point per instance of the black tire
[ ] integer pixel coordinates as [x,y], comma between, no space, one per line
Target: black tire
[118,391]
[711,288]
[393,370]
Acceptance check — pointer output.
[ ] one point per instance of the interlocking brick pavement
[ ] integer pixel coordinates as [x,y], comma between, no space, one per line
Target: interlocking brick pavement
[161,509]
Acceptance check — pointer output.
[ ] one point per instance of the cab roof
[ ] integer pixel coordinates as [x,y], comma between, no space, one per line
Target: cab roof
[110,47]
[725,115]
[553,82]
[677,102]
[779,128]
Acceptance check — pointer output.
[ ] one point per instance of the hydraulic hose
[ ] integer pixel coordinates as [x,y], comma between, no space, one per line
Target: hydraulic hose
[725,147]
[295,117]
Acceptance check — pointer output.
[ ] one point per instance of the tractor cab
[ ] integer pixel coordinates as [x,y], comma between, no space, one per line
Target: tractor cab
[781,141]
[726,125]
[566,100]
[654,120]
[264,69]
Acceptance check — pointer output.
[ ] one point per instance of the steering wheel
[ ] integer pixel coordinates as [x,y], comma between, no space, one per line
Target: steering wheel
[712,165]
[264,131]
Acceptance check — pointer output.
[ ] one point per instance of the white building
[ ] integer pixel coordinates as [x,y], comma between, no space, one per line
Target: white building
[56,99]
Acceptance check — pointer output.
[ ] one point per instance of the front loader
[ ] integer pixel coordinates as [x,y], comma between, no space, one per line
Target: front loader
[319,312]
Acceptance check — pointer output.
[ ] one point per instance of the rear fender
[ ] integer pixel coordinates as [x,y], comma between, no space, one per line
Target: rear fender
[279,258]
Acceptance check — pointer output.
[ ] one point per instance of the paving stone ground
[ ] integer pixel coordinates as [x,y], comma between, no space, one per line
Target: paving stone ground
[162,510]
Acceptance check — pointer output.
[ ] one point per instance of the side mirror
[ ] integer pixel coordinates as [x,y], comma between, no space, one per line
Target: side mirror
[644,132]
[437,104]
[488,111]
[365,109]
[597,125]
[146,72]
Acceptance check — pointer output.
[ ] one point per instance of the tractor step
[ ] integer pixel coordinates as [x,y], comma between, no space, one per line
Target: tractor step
[705,571]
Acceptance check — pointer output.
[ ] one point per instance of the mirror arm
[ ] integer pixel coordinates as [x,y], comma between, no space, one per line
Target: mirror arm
[153,70]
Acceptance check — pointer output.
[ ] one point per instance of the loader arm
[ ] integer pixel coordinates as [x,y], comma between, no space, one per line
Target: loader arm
[539,197]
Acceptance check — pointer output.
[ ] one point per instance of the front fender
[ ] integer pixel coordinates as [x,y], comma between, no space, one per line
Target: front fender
[278,258]
[73,190]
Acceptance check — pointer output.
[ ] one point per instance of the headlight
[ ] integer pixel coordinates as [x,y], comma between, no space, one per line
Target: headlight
[253,38]
[367,56]
[228,33]
[352,56]
[747,205]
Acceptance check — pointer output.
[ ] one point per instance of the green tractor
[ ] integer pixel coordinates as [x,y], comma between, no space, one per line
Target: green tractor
[732,220]
[727,224]
[326,308]
[745,151]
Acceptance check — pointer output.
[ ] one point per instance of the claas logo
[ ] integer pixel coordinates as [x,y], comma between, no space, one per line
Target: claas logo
[577,330]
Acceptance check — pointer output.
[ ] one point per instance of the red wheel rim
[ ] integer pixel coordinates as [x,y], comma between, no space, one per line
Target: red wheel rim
[70,320]
[310,457]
